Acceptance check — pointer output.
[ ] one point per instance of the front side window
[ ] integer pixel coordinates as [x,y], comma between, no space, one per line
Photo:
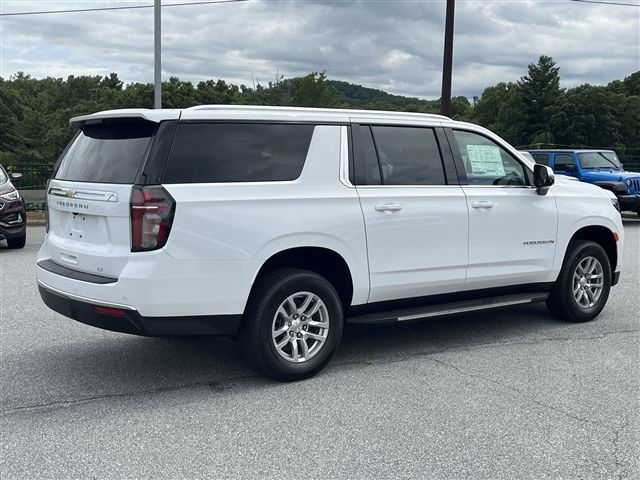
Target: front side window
[220,153]
[408,156]
[486,162]
[563,160]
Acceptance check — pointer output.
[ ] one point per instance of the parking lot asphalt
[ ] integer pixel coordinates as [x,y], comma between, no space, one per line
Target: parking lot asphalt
[505,394]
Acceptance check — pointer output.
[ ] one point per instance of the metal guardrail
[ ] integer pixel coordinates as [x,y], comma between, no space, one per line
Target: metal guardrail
[34,176]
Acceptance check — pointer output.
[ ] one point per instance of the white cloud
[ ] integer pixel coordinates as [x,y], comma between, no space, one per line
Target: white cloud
[392,45]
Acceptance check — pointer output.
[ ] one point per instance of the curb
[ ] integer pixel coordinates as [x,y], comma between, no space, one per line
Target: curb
[35,223]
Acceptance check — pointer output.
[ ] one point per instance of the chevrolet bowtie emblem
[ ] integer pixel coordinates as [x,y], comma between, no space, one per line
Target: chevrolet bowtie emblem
[70,193]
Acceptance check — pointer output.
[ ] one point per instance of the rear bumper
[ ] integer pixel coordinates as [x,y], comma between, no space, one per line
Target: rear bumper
[156,285]
[125,319]
[629,203]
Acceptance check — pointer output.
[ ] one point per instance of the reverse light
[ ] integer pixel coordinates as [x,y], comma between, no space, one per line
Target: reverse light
[152,210]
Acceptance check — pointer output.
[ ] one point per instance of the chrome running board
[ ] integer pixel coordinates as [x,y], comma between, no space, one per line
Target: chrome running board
[450,308]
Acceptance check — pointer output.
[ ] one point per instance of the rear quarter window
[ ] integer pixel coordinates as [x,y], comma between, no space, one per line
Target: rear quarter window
[541,158]
[223,153]
[107,152]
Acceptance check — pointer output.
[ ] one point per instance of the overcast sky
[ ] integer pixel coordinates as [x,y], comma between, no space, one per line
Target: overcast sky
[392,45]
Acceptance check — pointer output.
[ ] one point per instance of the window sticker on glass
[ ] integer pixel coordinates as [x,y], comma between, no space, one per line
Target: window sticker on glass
[485,160]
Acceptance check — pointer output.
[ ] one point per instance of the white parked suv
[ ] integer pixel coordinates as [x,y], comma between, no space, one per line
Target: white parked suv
[278,225]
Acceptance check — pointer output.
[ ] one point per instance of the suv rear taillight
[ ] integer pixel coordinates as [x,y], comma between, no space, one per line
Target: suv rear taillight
[152,210]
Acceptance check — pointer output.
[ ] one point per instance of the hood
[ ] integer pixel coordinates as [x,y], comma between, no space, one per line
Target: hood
[608,175]
[565,178]
[6,187]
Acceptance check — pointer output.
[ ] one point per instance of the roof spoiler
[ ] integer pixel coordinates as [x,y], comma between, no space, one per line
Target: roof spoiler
[141,113]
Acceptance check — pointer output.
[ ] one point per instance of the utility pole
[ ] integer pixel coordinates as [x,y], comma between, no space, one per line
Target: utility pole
[447,63]
[157,61]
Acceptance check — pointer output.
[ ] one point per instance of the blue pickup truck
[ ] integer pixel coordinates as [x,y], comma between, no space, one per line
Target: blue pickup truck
[600,167]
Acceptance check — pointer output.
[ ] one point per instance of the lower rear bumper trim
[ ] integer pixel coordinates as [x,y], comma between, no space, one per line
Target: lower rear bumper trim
[132,322]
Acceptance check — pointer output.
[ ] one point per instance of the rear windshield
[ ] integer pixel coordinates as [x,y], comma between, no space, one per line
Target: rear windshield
[107,152]
[218,152]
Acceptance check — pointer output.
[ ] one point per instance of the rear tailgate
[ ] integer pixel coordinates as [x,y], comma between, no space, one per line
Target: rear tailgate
[89,227]
[88,199]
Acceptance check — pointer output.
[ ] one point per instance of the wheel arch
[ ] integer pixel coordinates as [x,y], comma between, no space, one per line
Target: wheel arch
[603,236]
[324,261]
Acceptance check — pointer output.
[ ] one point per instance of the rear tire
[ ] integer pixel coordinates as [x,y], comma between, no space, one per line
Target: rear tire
[269,329]
[17,242]
[582,288]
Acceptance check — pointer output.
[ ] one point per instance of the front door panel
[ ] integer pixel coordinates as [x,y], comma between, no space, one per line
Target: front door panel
[512,235]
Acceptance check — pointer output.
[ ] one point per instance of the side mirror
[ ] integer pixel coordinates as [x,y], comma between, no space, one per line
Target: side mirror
[543,178]
[569,168]
[16,177]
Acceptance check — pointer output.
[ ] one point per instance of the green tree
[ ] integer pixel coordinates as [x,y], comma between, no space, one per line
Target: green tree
[212,92]
[500,109]
[313,91]
[539,91]
[178,94]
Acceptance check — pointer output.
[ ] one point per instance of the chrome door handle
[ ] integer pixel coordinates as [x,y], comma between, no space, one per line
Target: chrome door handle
[482,204]
[388,207]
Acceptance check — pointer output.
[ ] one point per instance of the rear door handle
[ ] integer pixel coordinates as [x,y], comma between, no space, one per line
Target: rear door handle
[388,207]
[482,204]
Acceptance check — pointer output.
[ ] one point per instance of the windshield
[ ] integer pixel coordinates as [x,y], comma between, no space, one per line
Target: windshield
[3,177]
[599,160]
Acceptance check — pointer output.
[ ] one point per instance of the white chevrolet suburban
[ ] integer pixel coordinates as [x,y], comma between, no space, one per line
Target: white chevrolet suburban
[278,225]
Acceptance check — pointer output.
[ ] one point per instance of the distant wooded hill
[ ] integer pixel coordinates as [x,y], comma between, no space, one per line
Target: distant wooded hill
[34,113]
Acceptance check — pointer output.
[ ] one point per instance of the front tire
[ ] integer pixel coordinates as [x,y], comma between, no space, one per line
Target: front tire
[293,324]
[582,288]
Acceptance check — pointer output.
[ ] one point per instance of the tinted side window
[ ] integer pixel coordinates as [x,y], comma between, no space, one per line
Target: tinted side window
[408,156]
[562,160]
[216,153]
[366,164]
[542,158]
[486,162]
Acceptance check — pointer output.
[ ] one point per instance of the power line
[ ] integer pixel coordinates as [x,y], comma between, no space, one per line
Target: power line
[598,2]
[129,7]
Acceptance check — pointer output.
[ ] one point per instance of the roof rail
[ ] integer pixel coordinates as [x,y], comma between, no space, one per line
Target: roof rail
[313,109]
